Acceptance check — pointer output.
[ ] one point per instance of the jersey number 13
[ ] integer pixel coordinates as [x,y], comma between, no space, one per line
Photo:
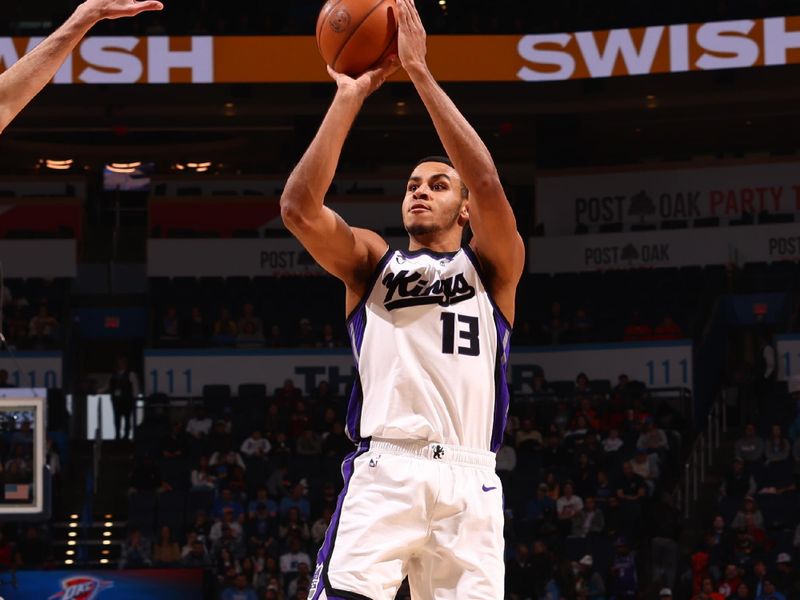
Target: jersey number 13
[467,332]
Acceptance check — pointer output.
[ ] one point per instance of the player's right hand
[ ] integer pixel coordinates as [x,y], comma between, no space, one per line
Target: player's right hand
[368,82]
[116,9]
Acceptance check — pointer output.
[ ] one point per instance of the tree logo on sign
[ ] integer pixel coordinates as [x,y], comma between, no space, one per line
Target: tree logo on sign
[641,206]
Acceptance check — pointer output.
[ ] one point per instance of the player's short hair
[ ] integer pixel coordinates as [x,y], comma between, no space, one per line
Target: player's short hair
[444,160]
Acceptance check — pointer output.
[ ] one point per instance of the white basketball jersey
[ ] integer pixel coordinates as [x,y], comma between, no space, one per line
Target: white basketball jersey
[431,350]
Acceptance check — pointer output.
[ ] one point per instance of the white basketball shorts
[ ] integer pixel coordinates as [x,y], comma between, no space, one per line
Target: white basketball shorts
[431,512]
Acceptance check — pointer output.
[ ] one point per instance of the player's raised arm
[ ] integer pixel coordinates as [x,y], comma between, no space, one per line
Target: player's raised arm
[20,84]
[496,240]
[347,253]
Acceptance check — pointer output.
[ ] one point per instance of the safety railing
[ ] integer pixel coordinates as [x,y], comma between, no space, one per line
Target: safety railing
[701,456]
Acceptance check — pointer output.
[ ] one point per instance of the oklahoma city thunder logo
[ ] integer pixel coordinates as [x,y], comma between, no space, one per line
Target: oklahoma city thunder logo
[81,587]
[340,20]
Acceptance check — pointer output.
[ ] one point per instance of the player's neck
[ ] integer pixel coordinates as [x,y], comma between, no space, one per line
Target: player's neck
[434,243]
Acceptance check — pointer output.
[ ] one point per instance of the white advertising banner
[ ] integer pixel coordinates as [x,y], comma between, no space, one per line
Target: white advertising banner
[47,259]
[232,258]
[567,200]
[32,369]
[661,249]
[185,372]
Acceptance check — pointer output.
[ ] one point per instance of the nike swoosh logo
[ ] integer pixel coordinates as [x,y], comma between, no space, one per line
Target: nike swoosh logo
[488,489]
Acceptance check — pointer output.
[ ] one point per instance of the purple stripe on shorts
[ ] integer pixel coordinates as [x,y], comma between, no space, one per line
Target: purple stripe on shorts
[324,554]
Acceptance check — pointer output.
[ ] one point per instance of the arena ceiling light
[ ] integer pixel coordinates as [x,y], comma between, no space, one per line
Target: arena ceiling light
[57,165]
[124,168]
[197,167]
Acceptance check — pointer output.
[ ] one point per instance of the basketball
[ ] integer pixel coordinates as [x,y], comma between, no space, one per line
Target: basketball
[354,35]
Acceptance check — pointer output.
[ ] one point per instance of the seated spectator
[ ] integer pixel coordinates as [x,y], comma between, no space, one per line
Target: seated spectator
[294,526]
[583,386]
[291,559]
[646,466]
[288,394]
[202,476]
[308,444]
[196,556]
[298,587]
[224,331]
[588,520]
[613,443]
[226,500]
[249,337]
[6,553]
[261,526]
[786,578]
[506,458]
[250,321]
[750,519]
[541,506]
[320,526]
[668,329]
[730,582]
[256,446]
[199,426]
[169,330]
[136,552]
[708,591]
[223,460]
[43,327]
[637,329]
[586,411]
[624,578]
[527,438]
[554,456]
[555,327]
[567,506]
[589,583]
[174,445]
[328,338]
[577,433]
[201,526]
[750,447]
[228,521]
[227,546]
[336,443]
[275,339]
[241,590]
[297,500]
[652,438]
[631,487]
[604,490]
[541,389]
[582,325]
[166,552]
[262,497]
[584,476]
[738,483]
[196,328]
[776,448]
[4,383]
[305,337]
[771,591]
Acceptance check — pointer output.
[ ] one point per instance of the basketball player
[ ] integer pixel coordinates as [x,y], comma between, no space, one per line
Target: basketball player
[20,83]
[430,330]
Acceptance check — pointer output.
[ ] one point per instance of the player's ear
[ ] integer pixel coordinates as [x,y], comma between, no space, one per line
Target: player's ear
[463,213]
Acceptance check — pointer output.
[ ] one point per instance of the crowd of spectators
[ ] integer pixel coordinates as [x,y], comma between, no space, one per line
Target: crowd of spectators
[462,16]
[752,545]
[583,475]
[244,329]
[30,325]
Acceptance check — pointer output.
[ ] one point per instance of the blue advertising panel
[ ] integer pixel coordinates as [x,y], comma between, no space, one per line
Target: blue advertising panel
[104,585]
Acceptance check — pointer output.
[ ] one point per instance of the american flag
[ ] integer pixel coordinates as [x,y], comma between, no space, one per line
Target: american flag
[17,491]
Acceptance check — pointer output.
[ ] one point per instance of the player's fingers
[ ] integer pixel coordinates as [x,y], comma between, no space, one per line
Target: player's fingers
[403,10]
[150,5]
[334,75]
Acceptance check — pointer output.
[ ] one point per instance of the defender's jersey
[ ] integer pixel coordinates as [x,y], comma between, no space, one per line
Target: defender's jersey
[431,350]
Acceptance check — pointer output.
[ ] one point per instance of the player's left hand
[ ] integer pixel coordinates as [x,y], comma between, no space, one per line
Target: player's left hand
[411,36]
[116,9]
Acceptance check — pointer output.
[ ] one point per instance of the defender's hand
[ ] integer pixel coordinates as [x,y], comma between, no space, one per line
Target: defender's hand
[366,84]
[411,36]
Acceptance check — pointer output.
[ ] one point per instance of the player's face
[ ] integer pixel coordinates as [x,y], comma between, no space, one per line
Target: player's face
[433,200]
